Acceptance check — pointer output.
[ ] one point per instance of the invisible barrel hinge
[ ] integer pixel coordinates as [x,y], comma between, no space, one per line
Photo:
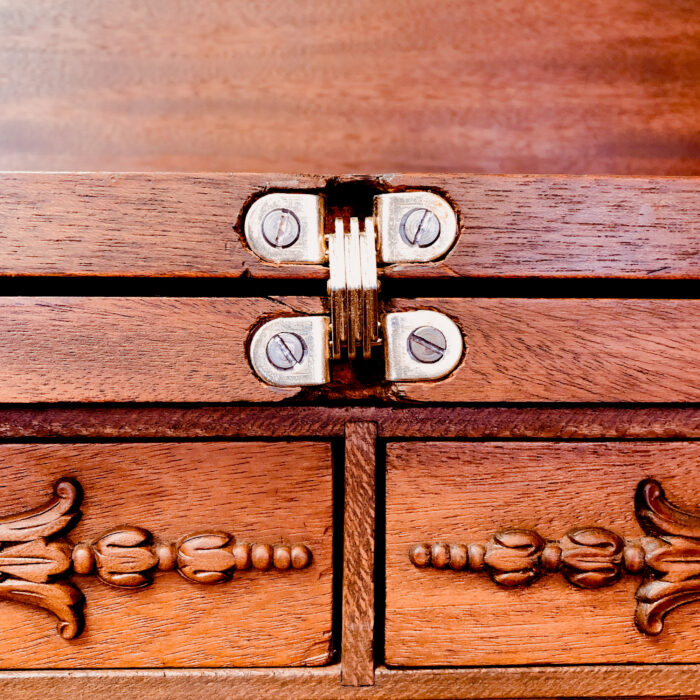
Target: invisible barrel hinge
[407,227]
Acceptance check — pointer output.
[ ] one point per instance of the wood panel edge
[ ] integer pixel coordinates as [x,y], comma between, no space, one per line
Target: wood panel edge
[662,680]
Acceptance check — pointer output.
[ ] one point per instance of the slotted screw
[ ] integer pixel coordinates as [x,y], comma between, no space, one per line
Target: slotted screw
[281,228]
[427,344]
[285,350]
[420,227]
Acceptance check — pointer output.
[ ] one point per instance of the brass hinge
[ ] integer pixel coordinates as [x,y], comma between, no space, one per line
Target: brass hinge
[407,227]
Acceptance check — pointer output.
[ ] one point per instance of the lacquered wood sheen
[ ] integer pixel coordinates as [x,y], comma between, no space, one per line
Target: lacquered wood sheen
[147,349]
[577,350]
[139,224]
[651,680]
[605,86]
[265,493]
[462,492]
[165,349]
[357,652]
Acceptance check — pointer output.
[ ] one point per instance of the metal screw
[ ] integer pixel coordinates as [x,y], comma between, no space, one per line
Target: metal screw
[281,228]
[285,350]
[420,227]
[427,344]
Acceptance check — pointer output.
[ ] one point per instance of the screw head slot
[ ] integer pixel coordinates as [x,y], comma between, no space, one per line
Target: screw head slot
[427,344]
[420,227]
[281,228]
[286,350]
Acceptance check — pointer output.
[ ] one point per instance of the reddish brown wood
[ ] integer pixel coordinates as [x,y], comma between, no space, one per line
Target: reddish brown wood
[326,421]
[573,350]
[441,493]
[189,225]
[143,349]
[544,226]
[166,349]
[607,86]
[591,557]
[357,654]
[269,495]
[633,680]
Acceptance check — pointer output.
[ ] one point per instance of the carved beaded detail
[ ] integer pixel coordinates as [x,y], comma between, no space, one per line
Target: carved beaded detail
[33,557]
[593,557]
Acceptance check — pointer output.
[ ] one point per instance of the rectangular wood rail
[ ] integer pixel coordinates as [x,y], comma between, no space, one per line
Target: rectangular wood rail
[189,225]
[194,350]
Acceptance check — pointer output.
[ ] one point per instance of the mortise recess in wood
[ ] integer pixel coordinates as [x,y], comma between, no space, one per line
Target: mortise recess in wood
[357,654]
[463,492]
[165,224]
[193,349]
[574,350]
[273,496]
[605,86]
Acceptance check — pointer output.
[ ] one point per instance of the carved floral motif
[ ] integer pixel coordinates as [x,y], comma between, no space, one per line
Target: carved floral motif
[668,558]
[34,557]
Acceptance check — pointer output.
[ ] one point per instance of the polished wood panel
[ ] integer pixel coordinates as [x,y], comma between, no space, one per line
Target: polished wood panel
[146,349]
[462,492]
[627,350]
[357,652]
[190,225]
[264,493]
[606,86]
[537,226]
[165,349]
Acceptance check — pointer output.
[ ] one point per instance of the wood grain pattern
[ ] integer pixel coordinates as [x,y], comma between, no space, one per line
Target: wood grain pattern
[608,86]
[567,227]
[264,492]
[357,653]
[668,557]
[117,349]
[633,680]
[165,224]
[660,422]
[578,350]
[164,349]
[446,492]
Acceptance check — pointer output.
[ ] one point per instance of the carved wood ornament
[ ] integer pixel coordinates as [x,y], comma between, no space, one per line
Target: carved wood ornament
[35,560]
[668,558]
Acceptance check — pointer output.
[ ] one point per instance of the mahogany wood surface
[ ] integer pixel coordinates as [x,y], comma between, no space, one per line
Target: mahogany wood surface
[631,681]
[193,349]
[263,493]
[146,349]
[577,350]
[606,86]
[463,492]
[164,224]
[508,422]
[357,651]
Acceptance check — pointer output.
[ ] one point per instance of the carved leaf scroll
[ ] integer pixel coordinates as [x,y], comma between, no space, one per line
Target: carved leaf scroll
[593,557]
[33,557]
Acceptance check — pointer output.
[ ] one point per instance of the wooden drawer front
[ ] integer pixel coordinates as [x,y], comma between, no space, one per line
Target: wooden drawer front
[571,556]
[218,504]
